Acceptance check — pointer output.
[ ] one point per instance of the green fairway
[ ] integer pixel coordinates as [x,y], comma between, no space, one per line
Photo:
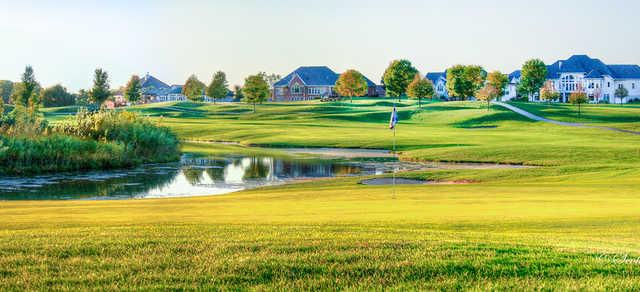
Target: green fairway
[569,222]
[613,115]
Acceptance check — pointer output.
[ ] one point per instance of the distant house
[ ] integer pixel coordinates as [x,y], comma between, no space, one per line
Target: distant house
[153,90]
[597,79]
[306,83]
[174,94]
[228,98]
[439,80]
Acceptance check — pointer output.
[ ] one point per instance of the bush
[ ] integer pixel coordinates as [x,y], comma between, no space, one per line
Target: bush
[101,140]
[140,138]
[27,155]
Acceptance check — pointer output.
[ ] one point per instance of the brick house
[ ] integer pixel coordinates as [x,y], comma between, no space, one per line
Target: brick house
[306,83]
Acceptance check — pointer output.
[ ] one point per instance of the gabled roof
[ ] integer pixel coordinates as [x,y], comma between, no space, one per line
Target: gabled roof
[153,86]
[314,75]
[625,71]
[435,76]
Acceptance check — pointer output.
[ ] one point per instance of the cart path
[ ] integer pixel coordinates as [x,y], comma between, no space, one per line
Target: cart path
[543,119]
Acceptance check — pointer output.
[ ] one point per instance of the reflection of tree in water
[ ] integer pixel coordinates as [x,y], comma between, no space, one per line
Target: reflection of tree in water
[127,186]
[258,168]
[215,173]
[345,169]
[193,175]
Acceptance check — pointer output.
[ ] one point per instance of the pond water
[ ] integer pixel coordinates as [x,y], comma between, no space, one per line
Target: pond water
[192,176]
[200,176]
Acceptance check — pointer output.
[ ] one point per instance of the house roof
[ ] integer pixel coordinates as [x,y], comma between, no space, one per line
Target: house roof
[435,76]
[625,71]
[314,75]
[175,89]
[153,86]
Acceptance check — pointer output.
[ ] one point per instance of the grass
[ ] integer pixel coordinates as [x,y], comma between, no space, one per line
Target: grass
[625,116]
[545,227]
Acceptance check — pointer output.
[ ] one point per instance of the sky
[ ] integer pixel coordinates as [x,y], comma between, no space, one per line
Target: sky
[65,41]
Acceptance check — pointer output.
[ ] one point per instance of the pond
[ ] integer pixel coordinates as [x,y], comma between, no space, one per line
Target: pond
[192,176]
[199,176]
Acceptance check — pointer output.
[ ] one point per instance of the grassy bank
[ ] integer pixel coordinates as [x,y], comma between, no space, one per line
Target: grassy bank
[546,227]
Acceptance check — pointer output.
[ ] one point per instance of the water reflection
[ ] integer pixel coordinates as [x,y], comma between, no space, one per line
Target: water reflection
[193,176]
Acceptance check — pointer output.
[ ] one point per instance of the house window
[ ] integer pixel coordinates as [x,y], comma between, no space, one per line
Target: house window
[568,83]
[295,89]
[620,86]
[633,86]
[313,91]
[608,84]
[591,85]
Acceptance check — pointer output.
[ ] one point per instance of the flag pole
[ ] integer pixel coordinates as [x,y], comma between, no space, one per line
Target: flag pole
[394,156]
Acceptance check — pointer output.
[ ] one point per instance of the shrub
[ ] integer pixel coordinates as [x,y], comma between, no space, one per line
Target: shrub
[101,140]
[141,139]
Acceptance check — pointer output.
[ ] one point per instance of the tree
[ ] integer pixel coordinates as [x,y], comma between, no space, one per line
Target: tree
[1,109]
[218,88]
[26,92]
[420,88]
[82,97]
[533,76]
[193,88]
[270,78]
[100,91]
[499,82]
[464,81]
[548,92]
[133,89]
[488,93]
[621,93]
[57,95]
[397,77]
[578,97]
[237,92]
[351,83]
[255,90]
[6,88]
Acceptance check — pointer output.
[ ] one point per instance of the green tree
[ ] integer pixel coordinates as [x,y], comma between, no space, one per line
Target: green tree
[420,88]
[498,81]
[27,93]
[397,77]
[133,89]
[1,109]
[578,97]
[255,90]
[270,78]
[548,92]
[621,93]
[100,91]
[57,95]
[6,88]
[82,97]
[351,83]
[464,81]
[194,89]
[218,88]
[237,92]
[533,76]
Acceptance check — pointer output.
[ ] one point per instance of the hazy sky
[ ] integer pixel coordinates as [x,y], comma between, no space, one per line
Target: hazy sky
[66,40]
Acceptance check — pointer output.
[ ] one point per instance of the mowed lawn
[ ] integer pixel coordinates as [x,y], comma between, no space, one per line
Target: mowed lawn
[567,223]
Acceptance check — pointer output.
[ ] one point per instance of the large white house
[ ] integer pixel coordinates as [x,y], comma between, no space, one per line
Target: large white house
[598,80]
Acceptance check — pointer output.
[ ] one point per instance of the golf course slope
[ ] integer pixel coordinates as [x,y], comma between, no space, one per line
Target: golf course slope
[570,221]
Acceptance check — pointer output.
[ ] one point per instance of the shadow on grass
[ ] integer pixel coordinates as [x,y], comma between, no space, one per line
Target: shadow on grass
[490,121]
